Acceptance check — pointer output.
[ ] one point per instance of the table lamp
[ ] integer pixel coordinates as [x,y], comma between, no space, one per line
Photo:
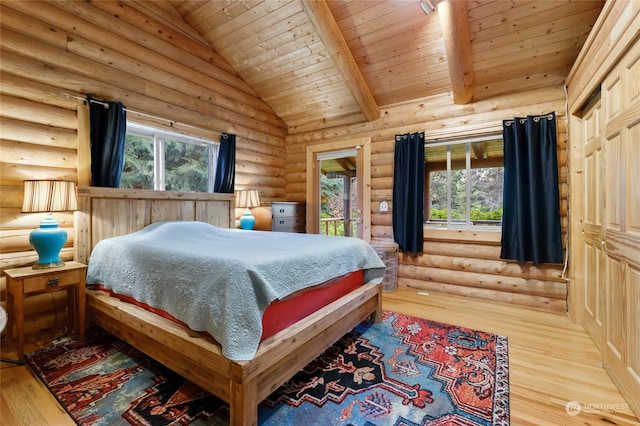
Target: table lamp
[48,196]
[247,199]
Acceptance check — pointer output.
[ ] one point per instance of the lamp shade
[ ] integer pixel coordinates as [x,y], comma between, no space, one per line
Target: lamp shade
[247,199]
[48,196]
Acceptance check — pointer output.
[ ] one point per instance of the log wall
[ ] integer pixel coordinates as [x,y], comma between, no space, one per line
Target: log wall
[144,56]
[463,263]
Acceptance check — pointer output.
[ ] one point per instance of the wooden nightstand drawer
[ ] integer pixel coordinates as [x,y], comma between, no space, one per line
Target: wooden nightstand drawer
[51,281]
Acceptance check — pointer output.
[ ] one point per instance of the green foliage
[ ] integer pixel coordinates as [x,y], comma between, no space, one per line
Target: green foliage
[495,215]
[331,191]
[492,215]
[138,163]
[485,194]
[332,205]
[186,165]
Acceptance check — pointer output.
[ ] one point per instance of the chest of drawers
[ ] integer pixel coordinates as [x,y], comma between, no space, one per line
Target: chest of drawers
[288,216]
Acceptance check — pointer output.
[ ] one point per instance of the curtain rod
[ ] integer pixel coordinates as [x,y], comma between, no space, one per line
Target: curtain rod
[155,117]
[536,118]
[455,141]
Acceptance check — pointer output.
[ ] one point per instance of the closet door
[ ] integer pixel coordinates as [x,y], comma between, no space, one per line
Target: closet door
[593,303]
[621,148]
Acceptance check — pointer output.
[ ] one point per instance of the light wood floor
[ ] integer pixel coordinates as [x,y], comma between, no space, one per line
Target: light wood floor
[551,362]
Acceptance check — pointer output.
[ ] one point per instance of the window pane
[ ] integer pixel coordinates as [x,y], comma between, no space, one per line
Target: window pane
[186,166]
[486,196]
[458,196]
[438,190]
[137,172]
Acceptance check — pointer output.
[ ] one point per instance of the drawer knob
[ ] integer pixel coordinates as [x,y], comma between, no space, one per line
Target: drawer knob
[53,281]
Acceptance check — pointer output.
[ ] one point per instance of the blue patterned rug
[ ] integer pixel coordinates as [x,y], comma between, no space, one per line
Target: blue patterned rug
[403,371]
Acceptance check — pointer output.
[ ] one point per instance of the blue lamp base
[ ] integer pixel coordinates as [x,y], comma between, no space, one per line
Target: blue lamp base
[247,220]
[48,241]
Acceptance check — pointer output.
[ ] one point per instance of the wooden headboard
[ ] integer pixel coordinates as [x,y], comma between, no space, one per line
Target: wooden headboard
[111,212]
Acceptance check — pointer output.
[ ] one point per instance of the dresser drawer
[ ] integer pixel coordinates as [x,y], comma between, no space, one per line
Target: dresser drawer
[288,224]
[288,216]
[287,209]
[51,281]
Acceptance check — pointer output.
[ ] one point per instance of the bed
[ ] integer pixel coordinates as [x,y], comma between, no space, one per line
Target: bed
[105,213]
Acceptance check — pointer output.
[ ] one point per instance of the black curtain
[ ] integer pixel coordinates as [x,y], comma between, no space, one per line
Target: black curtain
[531,199]
[108,132]
[408,192]
[226,166]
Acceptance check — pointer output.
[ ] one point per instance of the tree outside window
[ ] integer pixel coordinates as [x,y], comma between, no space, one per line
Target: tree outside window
[138,162]
[463,187]
[160,160]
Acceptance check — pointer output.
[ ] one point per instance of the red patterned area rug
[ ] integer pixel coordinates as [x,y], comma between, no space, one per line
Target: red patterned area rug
[403,371]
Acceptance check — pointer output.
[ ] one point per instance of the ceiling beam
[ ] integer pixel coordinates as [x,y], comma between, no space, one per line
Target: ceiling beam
[331,36]
[457,43]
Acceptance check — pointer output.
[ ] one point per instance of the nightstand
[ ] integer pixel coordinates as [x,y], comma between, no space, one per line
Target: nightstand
[288,216]
[25,281]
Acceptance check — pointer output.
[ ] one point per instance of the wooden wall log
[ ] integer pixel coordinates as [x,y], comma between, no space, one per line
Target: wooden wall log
[245,176]
[25,258]
[14,174]
[555,305]
[486,281]
[26,88]
[494,267]
[37,112]
[20,131]
[14,219]
[22,153]
[45,313]
[18,240]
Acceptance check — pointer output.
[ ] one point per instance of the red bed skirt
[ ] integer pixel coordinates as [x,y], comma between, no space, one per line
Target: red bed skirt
[282,313]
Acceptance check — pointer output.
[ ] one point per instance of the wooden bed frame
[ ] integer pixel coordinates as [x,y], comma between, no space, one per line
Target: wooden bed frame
[107,212]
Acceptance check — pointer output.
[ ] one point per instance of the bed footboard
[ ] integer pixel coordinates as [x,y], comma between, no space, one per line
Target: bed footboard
[242,384]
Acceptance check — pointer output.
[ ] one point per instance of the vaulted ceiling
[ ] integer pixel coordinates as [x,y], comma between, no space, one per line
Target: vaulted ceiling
[342,61]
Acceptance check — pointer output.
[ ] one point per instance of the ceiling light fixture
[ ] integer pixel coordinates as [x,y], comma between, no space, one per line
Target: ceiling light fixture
[428,6]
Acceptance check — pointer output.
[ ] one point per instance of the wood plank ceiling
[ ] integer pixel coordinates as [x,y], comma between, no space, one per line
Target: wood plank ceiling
[340,61]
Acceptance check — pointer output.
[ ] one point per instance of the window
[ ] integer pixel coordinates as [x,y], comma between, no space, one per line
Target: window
[463,187]
[161,160]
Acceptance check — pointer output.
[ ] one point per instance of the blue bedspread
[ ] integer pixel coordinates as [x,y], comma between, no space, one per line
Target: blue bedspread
[222,280]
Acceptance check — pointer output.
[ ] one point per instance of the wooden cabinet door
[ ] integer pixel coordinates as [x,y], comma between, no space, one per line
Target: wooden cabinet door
[621,148]
[593,300]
